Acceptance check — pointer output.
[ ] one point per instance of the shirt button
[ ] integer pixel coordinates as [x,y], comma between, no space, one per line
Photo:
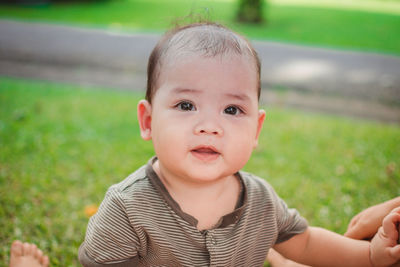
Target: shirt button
[213,241]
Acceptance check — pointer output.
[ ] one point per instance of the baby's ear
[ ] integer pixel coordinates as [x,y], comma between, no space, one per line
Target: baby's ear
[260,122]
[144,118]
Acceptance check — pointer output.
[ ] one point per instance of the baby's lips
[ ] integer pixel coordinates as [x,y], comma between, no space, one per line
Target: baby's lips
[206,149]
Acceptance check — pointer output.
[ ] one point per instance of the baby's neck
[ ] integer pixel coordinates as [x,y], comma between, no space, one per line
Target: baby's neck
[207,202]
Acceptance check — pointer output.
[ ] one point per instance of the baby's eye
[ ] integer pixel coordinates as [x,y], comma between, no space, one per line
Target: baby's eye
[185,106]
[232,110]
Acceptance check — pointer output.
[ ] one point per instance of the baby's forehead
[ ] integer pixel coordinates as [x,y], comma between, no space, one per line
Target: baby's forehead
[206,40]
[182,57]
[193,73]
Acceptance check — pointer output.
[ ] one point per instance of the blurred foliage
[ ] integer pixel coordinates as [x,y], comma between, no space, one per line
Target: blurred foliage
[41,3]
[251,11]
[62,146]
[365,26]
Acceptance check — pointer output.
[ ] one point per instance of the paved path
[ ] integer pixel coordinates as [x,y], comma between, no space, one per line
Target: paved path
[351,83]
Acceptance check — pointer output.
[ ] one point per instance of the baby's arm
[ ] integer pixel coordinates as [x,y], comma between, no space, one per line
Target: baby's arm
[320,247]
[324,248]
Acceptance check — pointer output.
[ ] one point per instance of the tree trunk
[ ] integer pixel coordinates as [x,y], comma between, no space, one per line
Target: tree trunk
[250,11]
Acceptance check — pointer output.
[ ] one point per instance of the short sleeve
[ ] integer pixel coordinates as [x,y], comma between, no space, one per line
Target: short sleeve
[289,221]
[110,239]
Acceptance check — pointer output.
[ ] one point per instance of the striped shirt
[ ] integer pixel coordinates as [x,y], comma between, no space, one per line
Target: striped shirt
[140,224]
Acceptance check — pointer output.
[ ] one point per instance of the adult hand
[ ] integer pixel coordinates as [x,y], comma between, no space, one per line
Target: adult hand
[365,224]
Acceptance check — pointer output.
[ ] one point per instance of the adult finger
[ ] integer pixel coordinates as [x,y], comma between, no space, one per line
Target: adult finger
[360,230]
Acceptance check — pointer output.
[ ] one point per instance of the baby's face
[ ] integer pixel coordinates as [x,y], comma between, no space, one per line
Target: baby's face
[205,119]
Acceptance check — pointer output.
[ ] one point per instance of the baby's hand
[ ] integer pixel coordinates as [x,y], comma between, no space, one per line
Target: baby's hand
[384,250]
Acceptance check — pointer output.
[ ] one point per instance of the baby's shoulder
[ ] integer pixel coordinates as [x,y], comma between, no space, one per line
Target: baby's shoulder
[258,189]
[254,182]
[136,185]
[135,200]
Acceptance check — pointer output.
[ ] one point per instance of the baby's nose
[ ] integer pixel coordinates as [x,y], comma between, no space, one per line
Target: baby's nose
[215,132]
[209,126]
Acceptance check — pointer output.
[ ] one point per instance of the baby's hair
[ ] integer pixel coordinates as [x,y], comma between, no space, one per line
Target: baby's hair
[206,39]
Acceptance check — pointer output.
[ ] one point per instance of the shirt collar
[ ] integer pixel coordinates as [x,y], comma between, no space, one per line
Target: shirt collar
[230,218]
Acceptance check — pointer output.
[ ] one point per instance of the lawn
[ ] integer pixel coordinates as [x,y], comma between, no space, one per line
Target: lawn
[356,24]
[62,146]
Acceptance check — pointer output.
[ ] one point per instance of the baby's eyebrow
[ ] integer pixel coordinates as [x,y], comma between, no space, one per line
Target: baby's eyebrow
[185,90]
[241,97]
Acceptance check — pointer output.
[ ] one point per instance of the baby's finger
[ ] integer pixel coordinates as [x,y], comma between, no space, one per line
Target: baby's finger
[395,252]
[389,225]
[396,210]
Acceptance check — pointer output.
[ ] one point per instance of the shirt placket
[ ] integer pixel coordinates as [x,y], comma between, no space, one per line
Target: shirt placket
[212,246]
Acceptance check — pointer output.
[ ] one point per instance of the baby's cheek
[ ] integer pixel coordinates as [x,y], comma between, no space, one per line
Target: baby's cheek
[241,150]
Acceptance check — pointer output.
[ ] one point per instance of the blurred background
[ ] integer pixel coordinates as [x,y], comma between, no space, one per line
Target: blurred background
[71,73]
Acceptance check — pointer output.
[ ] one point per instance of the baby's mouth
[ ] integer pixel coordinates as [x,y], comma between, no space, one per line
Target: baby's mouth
[205,153]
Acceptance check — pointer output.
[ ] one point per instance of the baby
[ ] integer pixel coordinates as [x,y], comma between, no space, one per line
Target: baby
[191,205]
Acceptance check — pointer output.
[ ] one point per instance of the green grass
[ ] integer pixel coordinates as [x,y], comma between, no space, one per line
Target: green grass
[62,146]
[382,6]
[371,27]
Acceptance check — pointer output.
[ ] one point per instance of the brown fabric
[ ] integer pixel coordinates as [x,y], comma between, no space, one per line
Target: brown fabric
[138,223]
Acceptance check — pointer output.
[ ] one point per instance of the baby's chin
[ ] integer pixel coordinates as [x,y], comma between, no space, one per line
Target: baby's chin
[209,176]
